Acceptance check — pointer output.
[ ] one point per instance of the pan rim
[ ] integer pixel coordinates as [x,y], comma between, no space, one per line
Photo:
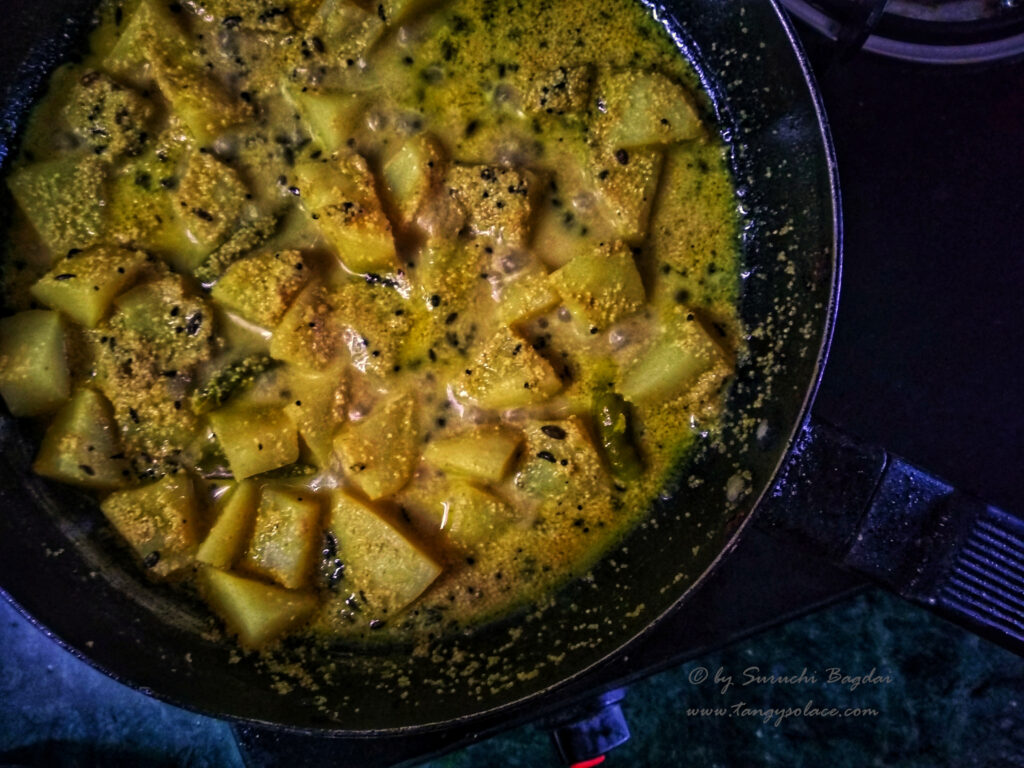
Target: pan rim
[829,313]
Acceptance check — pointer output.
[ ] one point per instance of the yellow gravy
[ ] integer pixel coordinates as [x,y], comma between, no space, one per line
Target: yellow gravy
[371,321]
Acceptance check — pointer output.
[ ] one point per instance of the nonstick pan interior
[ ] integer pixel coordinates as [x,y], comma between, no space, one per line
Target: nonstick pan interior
[62,565]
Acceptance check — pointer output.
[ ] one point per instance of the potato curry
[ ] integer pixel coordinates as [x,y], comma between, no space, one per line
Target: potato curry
[371,321]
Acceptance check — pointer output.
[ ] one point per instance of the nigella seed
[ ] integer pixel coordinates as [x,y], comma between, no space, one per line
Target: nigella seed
[151,559]
[554,432]
[546,455]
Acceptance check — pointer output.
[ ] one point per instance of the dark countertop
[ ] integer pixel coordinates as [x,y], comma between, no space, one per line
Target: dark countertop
[926,361]
[953,700]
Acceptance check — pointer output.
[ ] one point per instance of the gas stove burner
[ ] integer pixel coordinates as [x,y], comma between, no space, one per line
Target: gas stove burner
[927,31]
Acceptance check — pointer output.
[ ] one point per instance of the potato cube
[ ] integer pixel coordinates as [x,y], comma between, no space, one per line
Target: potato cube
[449,271]
[163,322]
[559,91]
[626,184]
[84,285]
[206,108]
[150,27]
[154,37]
[226,540]
[81,446]
[413,174]
[642,108]
[465,514]
[339,193]
[260,288]
[378,321]
[443,310]
[64,199]
[507,373]
[309,334]
[332,117]
[559,233]
[561,463]
[601,284]
[210,199]
[159,521]
[399,11]
[475,516]
[258,613]
[526,297]
[285,536]
[251,233]
[263,15]
[255,439]
[140,212]
[338,38]
[350,28]
[34,375]
[199,100]
[389,567]
[484,453]
[379,453]
[496,201]
[672,364]
[317,407]
[109,118]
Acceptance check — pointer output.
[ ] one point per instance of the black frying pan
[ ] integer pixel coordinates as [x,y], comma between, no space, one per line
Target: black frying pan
[92,598]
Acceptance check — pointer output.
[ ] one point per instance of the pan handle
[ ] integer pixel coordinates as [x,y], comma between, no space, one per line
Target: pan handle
[909,531]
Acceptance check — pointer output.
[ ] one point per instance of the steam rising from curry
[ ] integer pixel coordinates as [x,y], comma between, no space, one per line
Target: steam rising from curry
[371,322]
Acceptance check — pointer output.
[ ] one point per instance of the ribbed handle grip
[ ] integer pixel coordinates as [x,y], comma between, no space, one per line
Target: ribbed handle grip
[987,579]
[913,533]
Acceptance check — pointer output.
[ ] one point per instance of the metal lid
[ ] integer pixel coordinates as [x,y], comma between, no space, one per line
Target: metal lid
[929,31]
